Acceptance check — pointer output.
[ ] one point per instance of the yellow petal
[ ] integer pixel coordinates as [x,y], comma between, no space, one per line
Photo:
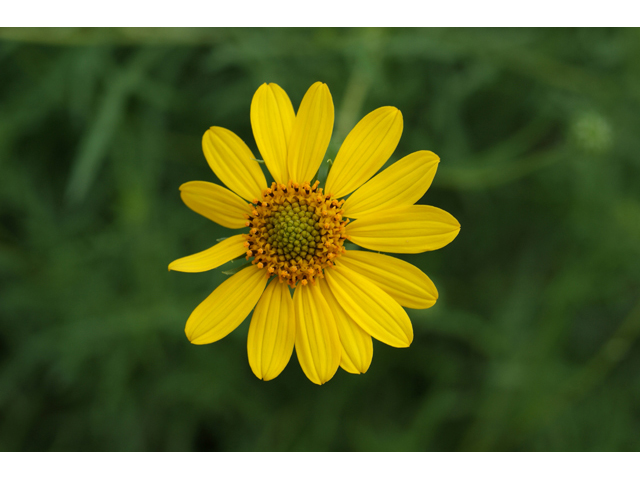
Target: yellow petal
[405,283]
[367,147]
[401,184]
[216,203]
[212,257]
[357,347]
[229,304]
[317,341]
[414,229]
[311,133]
[272,332]
[233,163]
[272,118]
[370,307]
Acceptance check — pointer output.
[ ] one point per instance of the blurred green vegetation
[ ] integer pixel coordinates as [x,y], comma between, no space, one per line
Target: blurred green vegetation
[531,346]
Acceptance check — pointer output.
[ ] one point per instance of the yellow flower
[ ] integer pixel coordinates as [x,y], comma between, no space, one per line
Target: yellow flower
[341,298]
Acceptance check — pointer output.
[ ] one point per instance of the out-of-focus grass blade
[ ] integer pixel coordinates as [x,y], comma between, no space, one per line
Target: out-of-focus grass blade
[95,145]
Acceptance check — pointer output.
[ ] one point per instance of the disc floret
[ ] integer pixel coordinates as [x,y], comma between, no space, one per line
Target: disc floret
[296,232]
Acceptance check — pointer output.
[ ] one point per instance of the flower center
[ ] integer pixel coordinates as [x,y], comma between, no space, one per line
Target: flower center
[296,232]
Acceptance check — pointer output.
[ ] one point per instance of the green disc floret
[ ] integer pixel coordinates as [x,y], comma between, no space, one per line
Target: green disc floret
[293,231]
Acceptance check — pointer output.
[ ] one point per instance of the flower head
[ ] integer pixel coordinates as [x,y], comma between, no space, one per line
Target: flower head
[295,234]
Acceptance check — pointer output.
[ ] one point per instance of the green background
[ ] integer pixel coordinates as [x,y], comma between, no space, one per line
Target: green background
[531,345]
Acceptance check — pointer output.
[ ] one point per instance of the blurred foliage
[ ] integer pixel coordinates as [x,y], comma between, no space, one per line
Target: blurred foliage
[531,346]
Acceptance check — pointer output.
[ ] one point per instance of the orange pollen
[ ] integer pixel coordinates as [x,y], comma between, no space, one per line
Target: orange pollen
[290,237]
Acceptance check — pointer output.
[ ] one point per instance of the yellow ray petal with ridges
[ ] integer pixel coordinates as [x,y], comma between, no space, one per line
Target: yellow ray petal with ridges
[311,133]
[357,347]
[401,184]
[370,307]
[365,150]
[405,283]
[272,332]
[211,258]
[317,340]
[216,203]
[414,229]
[224,309]
[233,163]
[272,118]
